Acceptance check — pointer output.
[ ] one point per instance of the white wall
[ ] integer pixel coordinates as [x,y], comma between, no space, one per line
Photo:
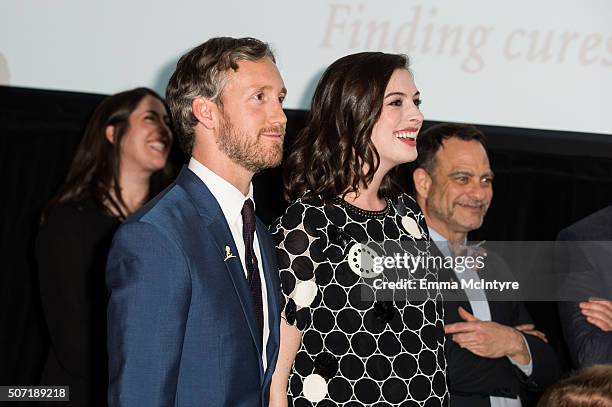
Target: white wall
[539,64]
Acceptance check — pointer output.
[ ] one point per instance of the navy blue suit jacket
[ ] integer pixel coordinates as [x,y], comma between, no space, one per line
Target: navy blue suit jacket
[587,275]
[181,320]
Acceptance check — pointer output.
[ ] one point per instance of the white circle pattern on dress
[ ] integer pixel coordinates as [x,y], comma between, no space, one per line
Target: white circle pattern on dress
[412,227]
[304,293]
[315,388]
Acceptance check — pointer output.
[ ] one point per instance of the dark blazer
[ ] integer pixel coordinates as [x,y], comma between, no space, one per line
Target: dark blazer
[71,251]
[181,319]
[473,379]
[587,264]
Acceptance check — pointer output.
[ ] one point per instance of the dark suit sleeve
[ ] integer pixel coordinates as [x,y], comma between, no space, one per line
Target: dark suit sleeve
[587,344]
[545,364]
[469,374]
[63,272]
[150,291]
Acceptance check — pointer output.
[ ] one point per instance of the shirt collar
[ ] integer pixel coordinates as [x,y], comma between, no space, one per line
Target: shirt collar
[439,240]
[230,199]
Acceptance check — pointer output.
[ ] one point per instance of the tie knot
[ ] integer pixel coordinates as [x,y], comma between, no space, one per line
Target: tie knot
[248,215]
[457,249]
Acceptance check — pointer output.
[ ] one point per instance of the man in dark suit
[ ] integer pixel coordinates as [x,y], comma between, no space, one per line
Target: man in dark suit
[585,253]
[194,308]
[493,350]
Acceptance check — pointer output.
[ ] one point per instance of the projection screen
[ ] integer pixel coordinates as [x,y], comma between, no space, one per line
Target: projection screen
[534,64]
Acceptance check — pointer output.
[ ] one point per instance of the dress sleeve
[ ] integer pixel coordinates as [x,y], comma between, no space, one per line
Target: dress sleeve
[296,242]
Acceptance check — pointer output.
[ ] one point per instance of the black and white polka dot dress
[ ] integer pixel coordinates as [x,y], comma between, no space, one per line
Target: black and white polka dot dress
[356,351]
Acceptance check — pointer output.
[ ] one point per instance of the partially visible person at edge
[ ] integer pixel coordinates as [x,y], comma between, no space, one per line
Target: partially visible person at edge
[120,163]
[586,288]
[589,387]
[343,343]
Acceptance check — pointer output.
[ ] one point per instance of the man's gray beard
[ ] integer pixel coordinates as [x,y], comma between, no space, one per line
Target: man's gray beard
[448,220]
[245,151]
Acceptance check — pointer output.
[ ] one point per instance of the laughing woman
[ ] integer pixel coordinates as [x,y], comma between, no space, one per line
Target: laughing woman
[119,164]
[343,343]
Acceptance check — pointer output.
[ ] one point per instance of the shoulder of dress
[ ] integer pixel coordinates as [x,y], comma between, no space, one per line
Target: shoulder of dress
[407,199]
[73,211]
[406,204]
[301,205]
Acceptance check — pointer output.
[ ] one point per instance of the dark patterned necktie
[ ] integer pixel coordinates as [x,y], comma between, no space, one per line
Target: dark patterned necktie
[250,260]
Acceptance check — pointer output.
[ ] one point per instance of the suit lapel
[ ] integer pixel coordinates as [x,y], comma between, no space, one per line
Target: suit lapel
[458,298]
[496,308]
[222,237]
[210,211]
[448,274]
[272,287]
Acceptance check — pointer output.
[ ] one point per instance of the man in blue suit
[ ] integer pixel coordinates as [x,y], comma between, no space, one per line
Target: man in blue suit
[193,314]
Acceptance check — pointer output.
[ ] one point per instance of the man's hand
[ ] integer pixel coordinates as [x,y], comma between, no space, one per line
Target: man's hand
[598,312]
[488,339]
[530,329]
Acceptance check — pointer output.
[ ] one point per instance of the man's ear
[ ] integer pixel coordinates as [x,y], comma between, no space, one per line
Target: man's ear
[422,182]
[109,132]
[205,111]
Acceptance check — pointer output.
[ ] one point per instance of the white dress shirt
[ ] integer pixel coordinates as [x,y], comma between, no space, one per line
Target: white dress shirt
[480,309]
[231,201]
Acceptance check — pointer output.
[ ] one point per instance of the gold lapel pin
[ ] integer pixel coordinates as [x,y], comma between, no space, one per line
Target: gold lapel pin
[228,253]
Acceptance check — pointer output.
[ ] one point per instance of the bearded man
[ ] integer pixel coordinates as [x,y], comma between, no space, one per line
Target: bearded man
[194,305]
[496,357]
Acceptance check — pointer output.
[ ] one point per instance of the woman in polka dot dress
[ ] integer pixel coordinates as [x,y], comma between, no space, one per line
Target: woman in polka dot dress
[342,345]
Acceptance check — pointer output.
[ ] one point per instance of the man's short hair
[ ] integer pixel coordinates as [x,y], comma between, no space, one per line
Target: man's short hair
[203,72]
[430,141]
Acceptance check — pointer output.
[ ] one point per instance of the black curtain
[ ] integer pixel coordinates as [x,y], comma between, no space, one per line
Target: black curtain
[545,180]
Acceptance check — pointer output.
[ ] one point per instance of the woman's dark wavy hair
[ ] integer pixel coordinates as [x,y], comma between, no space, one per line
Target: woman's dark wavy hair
[94,171]
[329,153]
